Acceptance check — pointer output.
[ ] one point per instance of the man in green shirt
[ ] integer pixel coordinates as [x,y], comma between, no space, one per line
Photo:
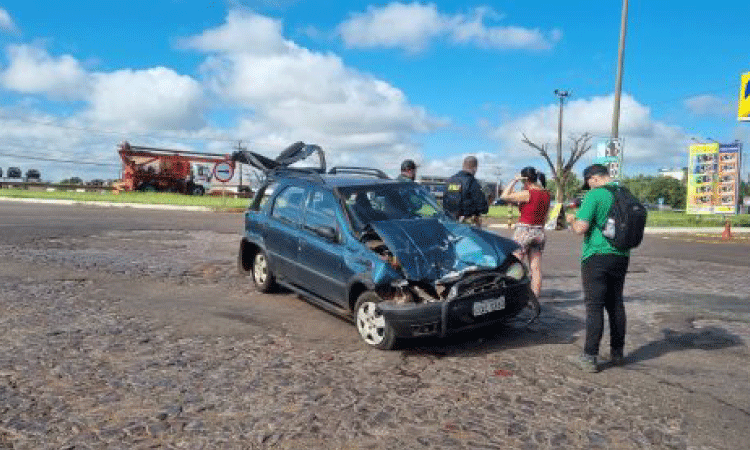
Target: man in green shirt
[603,269]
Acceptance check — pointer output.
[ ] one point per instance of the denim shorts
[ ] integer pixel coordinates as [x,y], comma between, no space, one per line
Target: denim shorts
[530,237]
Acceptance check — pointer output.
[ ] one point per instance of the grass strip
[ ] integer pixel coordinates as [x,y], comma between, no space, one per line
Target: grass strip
[151,198]
[502,213]
[655,218]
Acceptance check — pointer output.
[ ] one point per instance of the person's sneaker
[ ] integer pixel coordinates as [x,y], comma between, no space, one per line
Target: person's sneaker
[584,362]
[616,358]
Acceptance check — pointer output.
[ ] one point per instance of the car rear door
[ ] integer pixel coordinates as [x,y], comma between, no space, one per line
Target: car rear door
[283,232]
[321,254]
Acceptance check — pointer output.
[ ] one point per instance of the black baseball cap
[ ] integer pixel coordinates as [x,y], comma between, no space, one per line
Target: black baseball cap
[590,171]
[408,164]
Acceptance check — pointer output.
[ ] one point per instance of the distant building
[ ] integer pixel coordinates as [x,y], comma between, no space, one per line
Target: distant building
[677,174]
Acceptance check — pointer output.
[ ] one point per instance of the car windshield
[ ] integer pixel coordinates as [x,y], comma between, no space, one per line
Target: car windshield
[376,203]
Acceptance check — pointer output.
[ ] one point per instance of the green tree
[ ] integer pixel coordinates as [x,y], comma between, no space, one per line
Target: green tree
[571,188]
[673,192]
[639,186]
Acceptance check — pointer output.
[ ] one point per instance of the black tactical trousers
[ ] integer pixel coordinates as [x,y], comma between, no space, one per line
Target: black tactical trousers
[603,281]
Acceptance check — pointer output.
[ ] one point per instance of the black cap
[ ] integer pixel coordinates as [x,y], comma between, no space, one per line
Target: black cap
[408,164]
[594,169]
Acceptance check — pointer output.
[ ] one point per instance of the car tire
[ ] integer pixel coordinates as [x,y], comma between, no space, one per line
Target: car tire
[262,276]
[198,190]
[371,325]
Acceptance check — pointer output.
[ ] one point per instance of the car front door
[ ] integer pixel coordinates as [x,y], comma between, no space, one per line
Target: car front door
[321,255]
[283,232]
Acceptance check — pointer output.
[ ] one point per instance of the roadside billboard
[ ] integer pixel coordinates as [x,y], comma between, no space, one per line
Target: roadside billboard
[728,179]
[743,106]
[713,178]
[608,152]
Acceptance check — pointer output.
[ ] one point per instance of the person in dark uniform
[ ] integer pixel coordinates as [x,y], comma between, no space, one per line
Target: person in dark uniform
[408,171]
[464,199]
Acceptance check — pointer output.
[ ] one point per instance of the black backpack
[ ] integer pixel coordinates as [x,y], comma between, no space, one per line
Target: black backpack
[626,219]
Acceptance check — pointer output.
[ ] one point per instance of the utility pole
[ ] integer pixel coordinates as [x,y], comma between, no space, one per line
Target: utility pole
[239,149]
[559,164]
[618,83]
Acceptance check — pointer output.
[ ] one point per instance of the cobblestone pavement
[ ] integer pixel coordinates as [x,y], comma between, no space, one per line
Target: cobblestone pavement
[87,364]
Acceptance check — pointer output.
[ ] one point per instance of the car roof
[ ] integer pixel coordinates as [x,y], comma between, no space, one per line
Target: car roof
[348,181]
[330,180]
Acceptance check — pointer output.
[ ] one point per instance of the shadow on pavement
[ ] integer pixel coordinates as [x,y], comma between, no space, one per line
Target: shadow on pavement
[554,326]
[709,338]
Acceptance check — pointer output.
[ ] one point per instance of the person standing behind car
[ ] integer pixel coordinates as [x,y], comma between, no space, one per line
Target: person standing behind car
[464,199]
[408,171]
[603,269]
[533,203]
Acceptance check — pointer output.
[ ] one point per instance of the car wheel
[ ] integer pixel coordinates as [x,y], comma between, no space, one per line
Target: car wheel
[371,324]
[198,190]
[262,276]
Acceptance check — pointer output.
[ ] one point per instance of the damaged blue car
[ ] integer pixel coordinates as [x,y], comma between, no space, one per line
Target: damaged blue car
[377,251]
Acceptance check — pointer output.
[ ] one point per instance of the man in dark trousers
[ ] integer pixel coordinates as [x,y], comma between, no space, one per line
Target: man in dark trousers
[464,199]
[603,269]
[408,171]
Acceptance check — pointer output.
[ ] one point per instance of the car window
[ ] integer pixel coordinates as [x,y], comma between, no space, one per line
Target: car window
[261,198]
[387,202]
[288,205]
[321,210]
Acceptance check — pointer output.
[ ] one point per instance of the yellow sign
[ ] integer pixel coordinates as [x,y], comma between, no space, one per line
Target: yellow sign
[551,223]
[743,107]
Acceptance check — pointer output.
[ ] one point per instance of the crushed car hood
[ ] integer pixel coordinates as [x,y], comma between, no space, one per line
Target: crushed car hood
[429,249]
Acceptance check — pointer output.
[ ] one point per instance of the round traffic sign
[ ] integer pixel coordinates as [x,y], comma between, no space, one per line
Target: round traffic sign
[223,171]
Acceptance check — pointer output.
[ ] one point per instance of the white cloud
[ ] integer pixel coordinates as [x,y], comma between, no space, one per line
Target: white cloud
[26,133]
[491,166]
[156,98]
[6,22]
[33,71]
[281,93]
[646,140]
[409,26]
[413,26]
[296,92]
[243,32]
[709,105]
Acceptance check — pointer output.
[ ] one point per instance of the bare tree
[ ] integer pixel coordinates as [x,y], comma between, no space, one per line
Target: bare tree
[579,145]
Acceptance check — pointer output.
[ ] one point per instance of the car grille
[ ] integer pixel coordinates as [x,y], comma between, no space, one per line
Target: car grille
[480,284]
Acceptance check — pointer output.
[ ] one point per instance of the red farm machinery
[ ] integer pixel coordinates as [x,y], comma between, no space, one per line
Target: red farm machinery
[149,169]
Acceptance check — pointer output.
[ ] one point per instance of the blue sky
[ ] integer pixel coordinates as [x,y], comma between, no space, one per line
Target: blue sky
[372,83]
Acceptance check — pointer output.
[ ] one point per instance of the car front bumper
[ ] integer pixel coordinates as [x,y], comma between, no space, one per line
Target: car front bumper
[453,316]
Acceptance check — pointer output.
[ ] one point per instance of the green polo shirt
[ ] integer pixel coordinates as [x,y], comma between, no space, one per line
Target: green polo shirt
[594,210]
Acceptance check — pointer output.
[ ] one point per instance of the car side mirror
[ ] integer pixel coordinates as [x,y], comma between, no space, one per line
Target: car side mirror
[327,233]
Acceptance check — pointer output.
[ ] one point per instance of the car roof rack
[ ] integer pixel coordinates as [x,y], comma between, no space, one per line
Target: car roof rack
[311,174]
[366,171]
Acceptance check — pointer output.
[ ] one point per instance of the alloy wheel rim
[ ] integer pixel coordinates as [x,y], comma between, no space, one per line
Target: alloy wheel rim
[370,323]
[260,269]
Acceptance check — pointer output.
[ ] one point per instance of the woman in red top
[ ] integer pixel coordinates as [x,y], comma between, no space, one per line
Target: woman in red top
[533,203]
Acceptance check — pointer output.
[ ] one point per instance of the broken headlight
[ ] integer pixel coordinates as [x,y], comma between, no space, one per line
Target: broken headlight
[516,271]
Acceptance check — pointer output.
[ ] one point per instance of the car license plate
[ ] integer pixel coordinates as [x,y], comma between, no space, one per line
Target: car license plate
[487,306]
